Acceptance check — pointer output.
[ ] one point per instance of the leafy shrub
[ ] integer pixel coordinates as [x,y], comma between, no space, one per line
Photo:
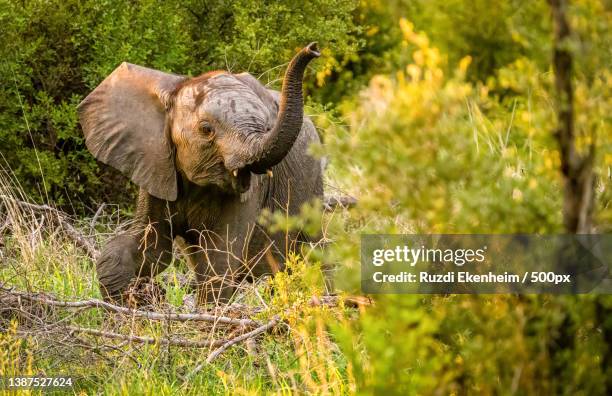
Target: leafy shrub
[429,152]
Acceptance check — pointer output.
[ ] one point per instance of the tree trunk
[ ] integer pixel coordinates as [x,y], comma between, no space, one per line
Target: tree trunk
[577,169]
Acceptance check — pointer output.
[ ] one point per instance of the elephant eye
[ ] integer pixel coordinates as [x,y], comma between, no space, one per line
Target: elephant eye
[207,130]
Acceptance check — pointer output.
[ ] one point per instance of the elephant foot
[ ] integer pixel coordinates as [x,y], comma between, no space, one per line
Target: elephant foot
[126,274]
[143,292]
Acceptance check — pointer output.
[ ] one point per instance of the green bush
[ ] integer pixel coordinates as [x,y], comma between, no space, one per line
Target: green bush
[426,151]
[494,37]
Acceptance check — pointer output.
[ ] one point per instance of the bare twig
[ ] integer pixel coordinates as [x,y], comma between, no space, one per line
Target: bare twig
[95,303]
[92,224]
[214,354]
[148,340]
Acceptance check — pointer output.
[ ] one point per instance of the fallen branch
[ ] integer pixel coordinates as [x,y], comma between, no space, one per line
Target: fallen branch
[81,240]
[148,340]
[228,344]
[95,303]
[214,354]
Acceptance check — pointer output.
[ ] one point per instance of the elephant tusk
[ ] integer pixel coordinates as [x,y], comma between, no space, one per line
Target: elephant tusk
[235,172]
[270,174]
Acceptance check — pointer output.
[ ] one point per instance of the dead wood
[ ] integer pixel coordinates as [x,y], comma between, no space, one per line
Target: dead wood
[47,300]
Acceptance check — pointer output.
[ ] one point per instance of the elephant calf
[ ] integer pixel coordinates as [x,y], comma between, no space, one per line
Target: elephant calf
[209,154]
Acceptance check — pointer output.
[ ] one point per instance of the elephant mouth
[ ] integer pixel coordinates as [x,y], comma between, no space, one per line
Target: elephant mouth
[240,179]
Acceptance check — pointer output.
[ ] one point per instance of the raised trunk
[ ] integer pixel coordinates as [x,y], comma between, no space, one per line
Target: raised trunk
[290,114]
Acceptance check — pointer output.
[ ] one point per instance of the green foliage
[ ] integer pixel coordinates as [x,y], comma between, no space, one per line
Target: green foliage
[494,37]
[427,151]
[424,145]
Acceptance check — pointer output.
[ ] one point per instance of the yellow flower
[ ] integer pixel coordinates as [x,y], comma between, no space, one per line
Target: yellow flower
[464,63]
[372,31]
[414,72]
[407,28]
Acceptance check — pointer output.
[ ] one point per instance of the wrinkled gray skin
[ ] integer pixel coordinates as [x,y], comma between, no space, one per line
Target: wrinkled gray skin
[209,154]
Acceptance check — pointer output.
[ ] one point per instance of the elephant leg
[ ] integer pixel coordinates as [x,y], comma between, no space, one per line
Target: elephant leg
[217,271]
[116,266]
[215,283]
[126,257]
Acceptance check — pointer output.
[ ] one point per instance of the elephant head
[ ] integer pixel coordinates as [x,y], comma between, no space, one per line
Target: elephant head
[216,129]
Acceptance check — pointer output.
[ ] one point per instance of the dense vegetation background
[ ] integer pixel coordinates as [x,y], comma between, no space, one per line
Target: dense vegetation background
[437,114]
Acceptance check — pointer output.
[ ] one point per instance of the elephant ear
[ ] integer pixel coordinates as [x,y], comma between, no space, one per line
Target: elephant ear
[124,123]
